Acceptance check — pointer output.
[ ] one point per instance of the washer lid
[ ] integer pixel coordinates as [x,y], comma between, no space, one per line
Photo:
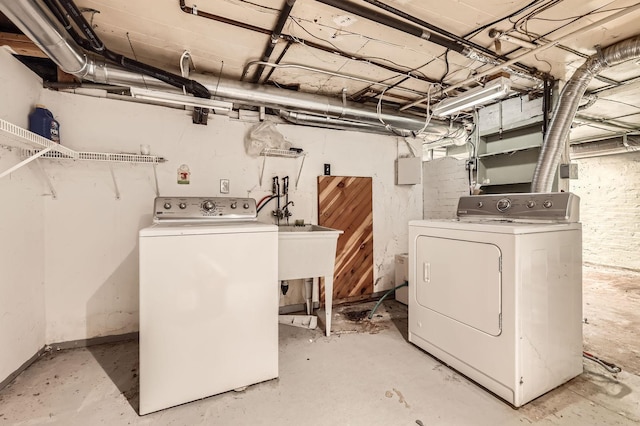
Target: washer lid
[195,228]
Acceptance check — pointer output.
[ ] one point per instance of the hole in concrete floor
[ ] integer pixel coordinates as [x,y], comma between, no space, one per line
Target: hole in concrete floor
[356,316]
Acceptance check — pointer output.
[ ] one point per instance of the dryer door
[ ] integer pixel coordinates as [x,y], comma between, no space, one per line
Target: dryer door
[461,280]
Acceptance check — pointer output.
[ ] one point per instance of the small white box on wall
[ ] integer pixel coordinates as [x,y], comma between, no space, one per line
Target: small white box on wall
[409,171]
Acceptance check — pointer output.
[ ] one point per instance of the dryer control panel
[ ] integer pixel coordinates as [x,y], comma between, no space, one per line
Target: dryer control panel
[554,207]
[195,209]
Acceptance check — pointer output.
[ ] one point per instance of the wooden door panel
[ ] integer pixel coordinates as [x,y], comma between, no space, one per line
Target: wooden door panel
[346,203]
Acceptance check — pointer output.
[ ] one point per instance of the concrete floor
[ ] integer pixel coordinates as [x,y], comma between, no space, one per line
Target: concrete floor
[364,374]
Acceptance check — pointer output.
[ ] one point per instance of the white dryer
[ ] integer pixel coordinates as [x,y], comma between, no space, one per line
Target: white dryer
[208,300]
[497,293]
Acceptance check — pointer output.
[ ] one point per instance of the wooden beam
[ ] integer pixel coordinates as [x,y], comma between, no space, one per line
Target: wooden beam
[21,44]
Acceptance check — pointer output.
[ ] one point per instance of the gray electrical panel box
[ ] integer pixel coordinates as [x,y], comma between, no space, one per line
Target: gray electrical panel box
[409,171]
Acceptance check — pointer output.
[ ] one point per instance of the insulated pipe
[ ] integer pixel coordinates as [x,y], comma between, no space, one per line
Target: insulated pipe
[565,111]
[34,21]
[275,36]
[46,31]
[335,123]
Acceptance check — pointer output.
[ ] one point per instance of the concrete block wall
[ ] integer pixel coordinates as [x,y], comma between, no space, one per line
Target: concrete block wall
[609,191]
[444,181]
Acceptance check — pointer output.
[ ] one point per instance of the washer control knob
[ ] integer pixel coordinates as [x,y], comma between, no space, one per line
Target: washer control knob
[208,205]
[234,205]
[167,206]
[531,204]
[547,204]
[480,204]
[245,206]
[182,206]
[503,204]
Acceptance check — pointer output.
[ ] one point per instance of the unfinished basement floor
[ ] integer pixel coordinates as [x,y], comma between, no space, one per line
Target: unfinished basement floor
[366,373]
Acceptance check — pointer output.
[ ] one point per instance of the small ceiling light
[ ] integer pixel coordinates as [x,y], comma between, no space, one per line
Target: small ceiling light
[178,99]
[495,89]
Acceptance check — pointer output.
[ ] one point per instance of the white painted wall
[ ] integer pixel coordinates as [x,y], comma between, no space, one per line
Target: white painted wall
[91,238]
[444,181]
[609,201]
[22,312]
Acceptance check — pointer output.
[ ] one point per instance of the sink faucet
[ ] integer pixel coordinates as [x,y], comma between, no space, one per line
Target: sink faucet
[281,212]
[285,211]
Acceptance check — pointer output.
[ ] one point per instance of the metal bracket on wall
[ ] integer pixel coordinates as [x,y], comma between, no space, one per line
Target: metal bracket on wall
[54,194]
[25,162]
[284,154]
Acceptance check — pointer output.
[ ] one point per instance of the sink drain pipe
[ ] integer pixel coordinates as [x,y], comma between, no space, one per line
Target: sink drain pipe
[404,284]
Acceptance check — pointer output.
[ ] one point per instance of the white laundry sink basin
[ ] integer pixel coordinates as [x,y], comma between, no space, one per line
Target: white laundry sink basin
[306,251]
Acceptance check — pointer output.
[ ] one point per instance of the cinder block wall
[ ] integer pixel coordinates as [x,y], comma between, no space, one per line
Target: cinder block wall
[444,181]
[609,190]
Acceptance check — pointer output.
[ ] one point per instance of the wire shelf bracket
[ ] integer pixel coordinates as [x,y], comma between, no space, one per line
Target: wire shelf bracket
[282,153]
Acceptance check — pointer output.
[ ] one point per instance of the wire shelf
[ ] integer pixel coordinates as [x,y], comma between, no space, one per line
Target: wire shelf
[281,153]
[97,156]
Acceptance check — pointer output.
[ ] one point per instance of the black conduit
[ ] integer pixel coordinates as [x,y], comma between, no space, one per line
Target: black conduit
[443,32]
[275,35]
[289,38]
[394,23]
[93,43]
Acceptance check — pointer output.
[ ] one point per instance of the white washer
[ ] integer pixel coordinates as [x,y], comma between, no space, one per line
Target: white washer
[208,300]
[497,294]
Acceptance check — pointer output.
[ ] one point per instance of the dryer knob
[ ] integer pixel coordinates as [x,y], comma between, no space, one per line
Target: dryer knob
[531,204]
[234,205]
[245,205]
[182,205]
[547,204]
[167,206]
[208,205]
[480,204]
[503,205]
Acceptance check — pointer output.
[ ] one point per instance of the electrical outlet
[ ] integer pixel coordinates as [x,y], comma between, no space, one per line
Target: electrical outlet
[471,164]
[224,186]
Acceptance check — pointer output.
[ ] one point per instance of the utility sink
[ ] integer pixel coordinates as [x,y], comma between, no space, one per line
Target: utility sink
[309,251]
[306,251]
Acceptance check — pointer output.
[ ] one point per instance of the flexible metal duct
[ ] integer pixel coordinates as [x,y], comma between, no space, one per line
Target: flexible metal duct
[36,21]
[568,105]
[618,145]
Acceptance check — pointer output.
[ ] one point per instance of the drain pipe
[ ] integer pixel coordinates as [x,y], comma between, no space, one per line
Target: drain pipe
[275,36]
[568,105]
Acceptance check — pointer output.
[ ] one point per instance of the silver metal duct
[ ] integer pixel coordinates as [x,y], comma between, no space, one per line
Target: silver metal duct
[618,145]
[35,20]
[568,105]
[334,123]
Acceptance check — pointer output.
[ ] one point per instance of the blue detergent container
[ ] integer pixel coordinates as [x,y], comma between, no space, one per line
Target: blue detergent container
[41,122]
